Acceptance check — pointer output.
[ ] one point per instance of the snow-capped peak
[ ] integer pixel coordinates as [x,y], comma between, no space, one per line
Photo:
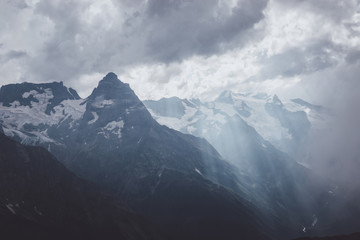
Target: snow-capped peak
[225,97]
[276,100]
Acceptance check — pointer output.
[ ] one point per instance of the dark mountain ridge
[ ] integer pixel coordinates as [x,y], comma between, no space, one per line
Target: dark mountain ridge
[40,198]
[24,94]
[120,147]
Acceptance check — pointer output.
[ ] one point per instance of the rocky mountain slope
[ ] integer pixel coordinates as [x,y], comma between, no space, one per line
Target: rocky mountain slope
[41,199]
[244,129]
[111,139]
[283,124]
[178,181]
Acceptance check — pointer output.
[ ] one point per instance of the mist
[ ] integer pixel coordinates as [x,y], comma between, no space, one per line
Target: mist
[333,151]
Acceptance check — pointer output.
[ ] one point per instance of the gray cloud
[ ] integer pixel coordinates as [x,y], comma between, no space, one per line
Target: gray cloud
[21,4]
[334,150]
[179,29]
[60,57]
[11,55]
[353,56]
[316,53]
[294,61]
[68,40]
[77,41]
[334,10]
[163,75]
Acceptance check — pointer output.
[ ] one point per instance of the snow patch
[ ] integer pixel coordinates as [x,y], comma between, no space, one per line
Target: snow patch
[191,129]
[176,123]
[8,132]
[315,220]
[100,102]
[226,108]
[108,102]
[332,193]
[73,108]
[113,125]
[96,117]
[16,116]
[15,104]
[44,97]
[304,164]
[10,207]
[28,94]
[68,90]
[198,171]
[37,211]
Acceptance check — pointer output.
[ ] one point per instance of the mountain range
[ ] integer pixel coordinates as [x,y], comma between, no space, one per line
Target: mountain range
[216,170]
[283,124]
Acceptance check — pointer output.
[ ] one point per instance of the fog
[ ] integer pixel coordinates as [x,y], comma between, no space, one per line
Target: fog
[334,151]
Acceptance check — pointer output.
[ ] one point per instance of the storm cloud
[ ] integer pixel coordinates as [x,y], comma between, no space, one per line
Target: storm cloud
[185,48]
[176,45]
[70,38]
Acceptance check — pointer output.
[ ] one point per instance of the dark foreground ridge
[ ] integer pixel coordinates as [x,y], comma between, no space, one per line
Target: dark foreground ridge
[41,199]
[353,236]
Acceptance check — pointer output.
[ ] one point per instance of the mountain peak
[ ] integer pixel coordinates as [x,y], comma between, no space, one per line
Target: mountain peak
[225,97]
[110,80]
[110,77]
[26,94]
[110,87]
[276,100]
[113,101]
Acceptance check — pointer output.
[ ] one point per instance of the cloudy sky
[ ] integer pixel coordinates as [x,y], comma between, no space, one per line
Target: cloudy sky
[198,48]
[187,48]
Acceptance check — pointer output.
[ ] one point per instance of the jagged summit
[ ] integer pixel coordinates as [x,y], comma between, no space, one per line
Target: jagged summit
[110,78]
[111,75]
[111,109]
[276,100]
[110,87]
[225,97]
[26,94]
[170,106]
